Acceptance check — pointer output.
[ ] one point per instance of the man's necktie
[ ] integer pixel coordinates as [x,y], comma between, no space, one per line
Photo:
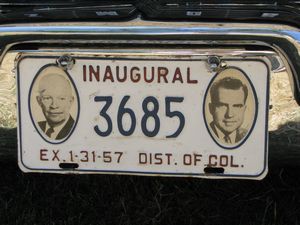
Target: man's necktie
[49,131]
[227,139]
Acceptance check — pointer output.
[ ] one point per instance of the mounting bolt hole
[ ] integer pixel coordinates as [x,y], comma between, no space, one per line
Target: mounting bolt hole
[68,166]
[214,170]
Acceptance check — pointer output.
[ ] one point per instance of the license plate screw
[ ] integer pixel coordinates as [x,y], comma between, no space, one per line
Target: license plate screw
[215,63]
[66,62]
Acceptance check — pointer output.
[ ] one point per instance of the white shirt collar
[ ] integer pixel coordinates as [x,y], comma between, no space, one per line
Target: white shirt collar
[221,135]
[56,129]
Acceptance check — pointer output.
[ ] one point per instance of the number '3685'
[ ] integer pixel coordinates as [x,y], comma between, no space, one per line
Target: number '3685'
[148,113]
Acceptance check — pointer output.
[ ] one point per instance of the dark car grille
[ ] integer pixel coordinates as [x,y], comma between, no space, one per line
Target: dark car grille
[286,11]
[65,10]
[204,10]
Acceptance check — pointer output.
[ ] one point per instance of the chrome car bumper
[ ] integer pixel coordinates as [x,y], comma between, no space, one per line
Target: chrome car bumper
[282,39]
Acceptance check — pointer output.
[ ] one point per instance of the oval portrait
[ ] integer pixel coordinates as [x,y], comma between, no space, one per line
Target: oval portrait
[54,104]
[230,107]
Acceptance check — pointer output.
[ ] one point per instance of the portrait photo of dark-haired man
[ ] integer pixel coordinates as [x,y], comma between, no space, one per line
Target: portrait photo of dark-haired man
[227,107]
[55,99]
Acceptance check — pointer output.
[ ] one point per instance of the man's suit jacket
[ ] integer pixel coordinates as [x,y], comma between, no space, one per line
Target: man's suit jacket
[63,132]
[240,133]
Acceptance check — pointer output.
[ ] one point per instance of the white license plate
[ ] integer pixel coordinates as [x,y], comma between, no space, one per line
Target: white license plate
[122,114]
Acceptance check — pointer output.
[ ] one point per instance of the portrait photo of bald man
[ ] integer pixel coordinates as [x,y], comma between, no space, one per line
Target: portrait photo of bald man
[231,107]
[55,98]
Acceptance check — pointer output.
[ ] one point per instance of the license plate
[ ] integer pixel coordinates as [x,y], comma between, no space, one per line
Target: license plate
[143,114]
